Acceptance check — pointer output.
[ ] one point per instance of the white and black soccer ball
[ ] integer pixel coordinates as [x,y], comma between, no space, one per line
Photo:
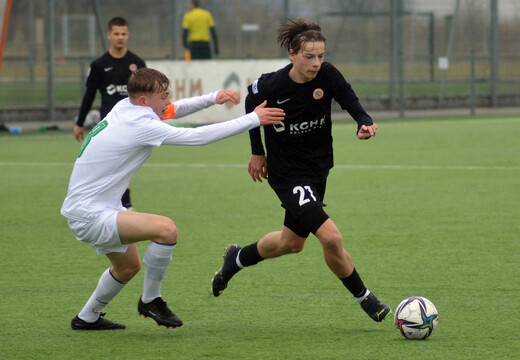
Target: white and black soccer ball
[416,317]
[92,119]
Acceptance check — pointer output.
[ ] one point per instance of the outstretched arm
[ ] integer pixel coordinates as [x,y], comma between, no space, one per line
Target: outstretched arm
[227,95]
[185,107]
[210,133]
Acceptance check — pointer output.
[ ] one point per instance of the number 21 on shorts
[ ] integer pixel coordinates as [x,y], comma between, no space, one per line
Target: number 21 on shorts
[304,192]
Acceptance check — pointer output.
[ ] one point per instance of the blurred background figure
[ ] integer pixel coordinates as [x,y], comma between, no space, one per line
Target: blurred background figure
[109,74]
[197,25]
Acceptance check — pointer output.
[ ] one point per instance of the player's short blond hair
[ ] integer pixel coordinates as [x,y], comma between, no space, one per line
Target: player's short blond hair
[147,81]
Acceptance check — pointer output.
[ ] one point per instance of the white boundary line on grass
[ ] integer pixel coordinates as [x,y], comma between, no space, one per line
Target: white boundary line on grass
[366,167]
[35,136]
[426,121]
[336,123]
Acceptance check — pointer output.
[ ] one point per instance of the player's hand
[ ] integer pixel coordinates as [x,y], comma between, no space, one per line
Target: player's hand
[224,96]
[258,167]
[79,132]
[366,132]
[269,116]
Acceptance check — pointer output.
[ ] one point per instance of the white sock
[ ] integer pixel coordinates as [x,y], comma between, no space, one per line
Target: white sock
[239,264]
[156,260]
[107,288]
[363,297]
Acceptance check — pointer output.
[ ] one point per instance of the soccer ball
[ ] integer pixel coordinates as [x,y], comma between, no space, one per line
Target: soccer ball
[416,317]
[92,119]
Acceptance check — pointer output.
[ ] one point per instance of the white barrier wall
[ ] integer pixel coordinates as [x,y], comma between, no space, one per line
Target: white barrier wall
[192,78]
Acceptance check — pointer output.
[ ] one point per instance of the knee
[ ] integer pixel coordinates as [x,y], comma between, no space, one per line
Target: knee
[167,232]
[293,247]
[332,242]
[133,269]
[126,272]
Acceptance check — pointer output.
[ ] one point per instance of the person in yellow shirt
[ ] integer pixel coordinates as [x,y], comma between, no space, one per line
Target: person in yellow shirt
[197,25]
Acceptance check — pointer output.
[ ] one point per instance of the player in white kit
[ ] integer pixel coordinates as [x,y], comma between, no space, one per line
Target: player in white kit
[111,154]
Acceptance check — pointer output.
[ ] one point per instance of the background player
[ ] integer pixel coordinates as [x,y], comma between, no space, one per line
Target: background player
[109,75]
[197,25]
[299,157]
[111,154]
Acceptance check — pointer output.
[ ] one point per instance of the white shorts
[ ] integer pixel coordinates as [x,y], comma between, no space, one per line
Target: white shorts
[100,233]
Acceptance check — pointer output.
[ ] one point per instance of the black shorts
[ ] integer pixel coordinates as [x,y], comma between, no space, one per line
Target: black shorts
[303,204]
[200,50]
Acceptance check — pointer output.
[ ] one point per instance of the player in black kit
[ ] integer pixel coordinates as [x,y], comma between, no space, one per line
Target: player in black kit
[299,157]
[109,74]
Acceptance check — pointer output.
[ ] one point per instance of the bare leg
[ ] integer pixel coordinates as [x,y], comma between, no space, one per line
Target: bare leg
[279,243]
[125,265]
[336,257]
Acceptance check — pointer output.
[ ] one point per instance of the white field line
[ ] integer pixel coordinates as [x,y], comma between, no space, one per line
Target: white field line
[397,123]
[425,121]
[30,137]
[344,122]
[365,167]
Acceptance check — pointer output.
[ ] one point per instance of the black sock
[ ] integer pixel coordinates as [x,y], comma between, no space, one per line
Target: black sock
[354,284]
[249,255]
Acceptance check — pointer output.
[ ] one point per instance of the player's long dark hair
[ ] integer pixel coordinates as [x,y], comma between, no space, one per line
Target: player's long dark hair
[297,32]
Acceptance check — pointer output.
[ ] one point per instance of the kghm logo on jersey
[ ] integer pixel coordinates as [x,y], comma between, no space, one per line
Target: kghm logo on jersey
[132,67]
[301,128]
[120,89]
[317,94]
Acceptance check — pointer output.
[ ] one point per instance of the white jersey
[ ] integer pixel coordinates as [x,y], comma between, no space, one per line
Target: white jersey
[119,145]
[185,107]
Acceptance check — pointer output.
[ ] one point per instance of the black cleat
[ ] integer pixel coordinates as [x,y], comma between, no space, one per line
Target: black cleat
[99,324]
[375,308]
[226,272]
[158,311]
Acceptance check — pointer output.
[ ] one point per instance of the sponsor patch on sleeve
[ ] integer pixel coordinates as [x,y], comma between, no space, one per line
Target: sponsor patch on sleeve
[254,87]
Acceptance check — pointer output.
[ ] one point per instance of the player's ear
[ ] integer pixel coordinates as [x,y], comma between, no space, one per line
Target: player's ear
[142,100]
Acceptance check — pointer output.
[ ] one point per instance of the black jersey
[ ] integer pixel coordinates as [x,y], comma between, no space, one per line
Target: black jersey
[110,76]
[300,147]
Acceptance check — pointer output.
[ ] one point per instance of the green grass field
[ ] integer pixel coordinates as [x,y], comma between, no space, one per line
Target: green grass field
[429,207]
